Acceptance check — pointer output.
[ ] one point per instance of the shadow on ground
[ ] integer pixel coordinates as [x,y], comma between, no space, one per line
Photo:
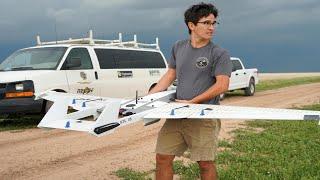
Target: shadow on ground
[14,122]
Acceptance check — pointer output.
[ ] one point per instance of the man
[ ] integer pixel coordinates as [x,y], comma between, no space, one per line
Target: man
[203,70]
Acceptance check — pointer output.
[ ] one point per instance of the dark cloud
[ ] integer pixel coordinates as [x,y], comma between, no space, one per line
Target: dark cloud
[251,29]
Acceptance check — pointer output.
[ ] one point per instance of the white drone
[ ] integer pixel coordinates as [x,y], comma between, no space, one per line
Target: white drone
[72,112]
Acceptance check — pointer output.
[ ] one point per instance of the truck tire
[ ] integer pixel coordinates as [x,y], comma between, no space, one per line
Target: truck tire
[250,90]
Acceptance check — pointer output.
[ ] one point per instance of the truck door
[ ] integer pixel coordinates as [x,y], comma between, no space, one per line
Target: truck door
[237,75]
[242,74]
[80,72]
[123,72]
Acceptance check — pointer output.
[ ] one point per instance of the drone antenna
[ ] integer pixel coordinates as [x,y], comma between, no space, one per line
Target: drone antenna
[55,30]
[136,96]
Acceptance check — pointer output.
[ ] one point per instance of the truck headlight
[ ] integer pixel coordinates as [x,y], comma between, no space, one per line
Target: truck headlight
[19,87]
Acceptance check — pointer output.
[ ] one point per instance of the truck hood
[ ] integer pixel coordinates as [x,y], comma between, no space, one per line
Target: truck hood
[13,76]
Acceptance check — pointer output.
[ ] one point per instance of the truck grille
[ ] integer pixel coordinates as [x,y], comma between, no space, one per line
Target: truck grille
[3,86]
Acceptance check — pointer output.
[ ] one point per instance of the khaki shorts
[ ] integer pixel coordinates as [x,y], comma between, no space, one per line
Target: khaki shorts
[199,135]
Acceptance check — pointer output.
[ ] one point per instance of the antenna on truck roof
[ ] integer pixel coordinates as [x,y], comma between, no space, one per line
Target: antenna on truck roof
[55,30]
[91,41]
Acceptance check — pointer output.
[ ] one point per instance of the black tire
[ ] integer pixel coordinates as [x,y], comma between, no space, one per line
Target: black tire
[251,89]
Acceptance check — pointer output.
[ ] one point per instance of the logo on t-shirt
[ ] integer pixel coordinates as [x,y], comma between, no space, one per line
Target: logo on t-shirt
[202,62]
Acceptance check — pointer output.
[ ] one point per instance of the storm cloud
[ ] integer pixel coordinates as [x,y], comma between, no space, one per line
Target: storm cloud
[275,36]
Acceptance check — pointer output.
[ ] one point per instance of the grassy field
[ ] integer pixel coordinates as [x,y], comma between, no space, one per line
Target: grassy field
[283,150]
[129,174]
[18,122]
[280,83]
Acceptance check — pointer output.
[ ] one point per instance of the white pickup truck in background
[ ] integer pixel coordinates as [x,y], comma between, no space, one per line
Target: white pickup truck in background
[241,78]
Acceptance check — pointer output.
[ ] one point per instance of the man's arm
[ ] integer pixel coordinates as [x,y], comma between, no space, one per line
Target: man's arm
[221,86]
[165,81]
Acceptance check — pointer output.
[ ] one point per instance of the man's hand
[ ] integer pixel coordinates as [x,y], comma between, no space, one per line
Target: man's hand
[165,81]
[184,101]
[221,85]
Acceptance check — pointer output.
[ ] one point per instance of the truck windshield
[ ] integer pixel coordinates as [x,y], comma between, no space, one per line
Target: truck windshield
[33,59]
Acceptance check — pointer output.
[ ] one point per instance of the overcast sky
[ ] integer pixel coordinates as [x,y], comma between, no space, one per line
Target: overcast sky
[272,35]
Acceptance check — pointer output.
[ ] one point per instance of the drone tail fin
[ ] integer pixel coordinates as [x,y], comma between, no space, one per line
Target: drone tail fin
[108,119]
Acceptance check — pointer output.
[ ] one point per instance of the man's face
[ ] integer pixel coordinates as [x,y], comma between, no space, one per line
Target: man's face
[204,28]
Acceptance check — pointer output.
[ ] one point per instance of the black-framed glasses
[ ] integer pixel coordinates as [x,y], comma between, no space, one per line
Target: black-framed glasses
[209,23]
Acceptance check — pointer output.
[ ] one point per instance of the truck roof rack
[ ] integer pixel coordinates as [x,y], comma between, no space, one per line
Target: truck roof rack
[90,41]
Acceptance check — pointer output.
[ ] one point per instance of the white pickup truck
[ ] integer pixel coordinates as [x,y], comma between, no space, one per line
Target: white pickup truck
[241,78]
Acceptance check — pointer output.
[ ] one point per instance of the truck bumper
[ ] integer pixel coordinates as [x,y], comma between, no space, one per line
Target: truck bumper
[20,105]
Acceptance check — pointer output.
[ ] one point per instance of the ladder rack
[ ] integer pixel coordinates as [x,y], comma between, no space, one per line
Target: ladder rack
[89,40]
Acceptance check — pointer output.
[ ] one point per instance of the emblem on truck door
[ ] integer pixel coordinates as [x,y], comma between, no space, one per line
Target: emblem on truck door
[154,73]
[125,74]
[84,78]
[86,90]
[83,75]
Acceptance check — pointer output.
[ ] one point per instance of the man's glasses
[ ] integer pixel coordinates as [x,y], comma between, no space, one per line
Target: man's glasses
[209,23]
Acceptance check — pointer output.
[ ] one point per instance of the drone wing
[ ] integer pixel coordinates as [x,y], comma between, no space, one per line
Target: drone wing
[100,116]
[205,111]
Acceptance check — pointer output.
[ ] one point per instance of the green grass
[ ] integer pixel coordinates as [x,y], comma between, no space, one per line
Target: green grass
[224,143]
[280,83]
[283,150]
[129,174]
[186,172]
[18,122]
[315,107]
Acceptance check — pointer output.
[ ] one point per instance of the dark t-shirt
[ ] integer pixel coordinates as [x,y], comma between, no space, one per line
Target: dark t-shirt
[196,68]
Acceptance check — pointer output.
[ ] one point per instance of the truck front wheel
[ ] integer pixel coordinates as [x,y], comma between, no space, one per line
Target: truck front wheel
[250,90]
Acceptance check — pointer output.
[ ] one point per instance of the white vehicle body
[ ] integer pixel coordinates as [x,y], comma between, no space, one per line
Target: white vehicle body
[86,66]
[242,78]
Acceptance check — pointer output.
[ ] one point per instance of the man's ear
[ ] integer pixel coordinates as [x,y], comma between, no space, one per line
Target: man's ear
[191,25]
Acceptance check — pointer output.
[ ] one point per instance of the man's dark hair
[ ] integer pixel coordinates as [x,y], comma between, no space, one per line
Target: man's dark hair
[198,11]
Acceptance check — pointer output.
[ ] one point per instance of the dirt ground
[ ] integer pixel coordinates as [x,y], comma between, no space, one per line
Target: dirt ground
[58,154]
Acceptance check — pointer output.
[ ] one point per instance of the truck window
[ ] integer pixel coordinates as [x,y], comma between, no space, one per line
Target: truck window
[34,58]
[236,65]
[128,59]
[81,54]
